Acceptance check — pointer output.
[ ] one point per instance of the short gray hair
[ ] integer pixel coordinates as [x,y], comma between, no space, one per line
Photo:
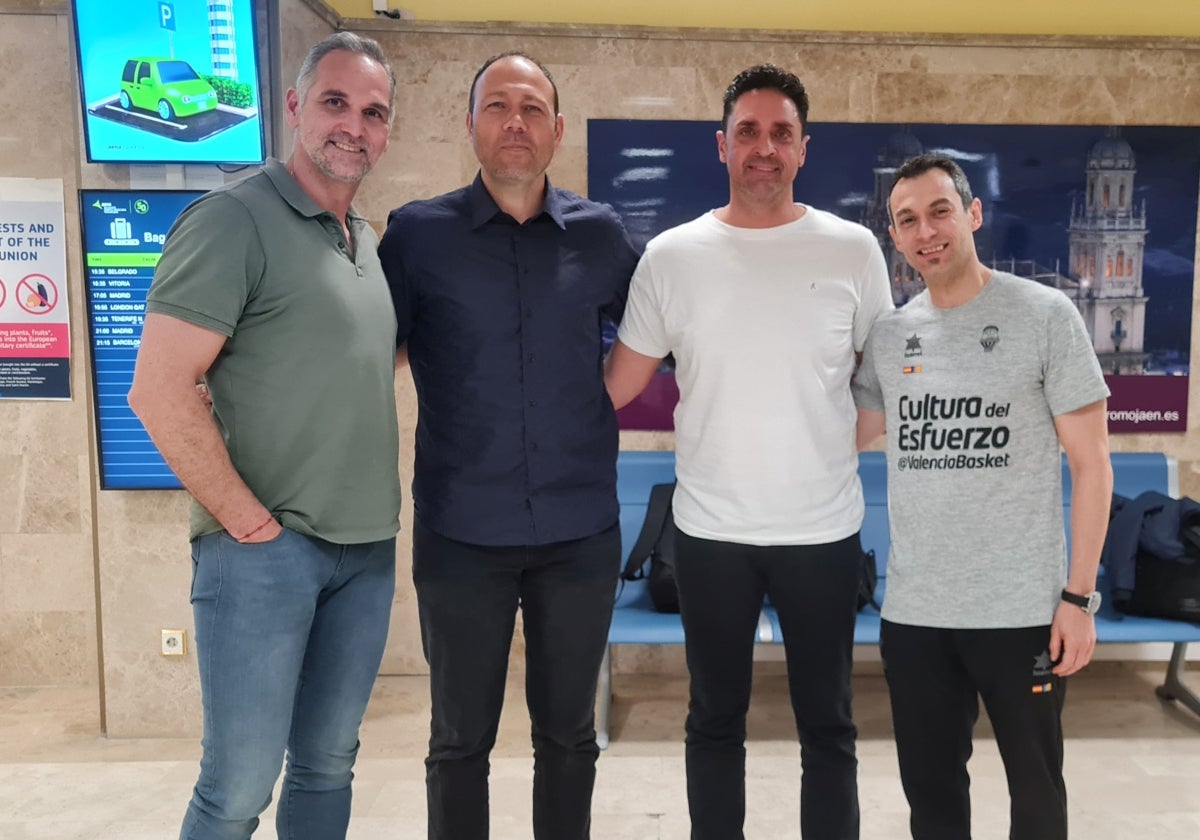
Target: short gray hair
[346,42]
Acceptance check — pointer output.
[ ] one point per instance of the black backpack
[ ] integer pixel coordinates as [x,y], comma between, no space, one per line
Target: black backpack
[1152,556]
[656,544]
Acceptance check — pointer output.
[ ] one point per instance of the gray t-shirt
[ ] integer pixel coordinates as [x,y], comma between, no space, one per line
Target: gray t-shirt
[974,467]
[303,389]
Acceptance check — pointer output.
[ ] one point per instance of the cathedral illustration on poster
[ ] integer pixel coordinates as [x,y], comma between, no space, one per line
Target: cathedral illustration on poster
[1106,249]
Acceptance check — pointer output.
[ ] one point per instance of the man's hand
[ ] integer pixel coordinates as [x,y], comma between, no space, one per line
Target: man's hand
[1072,639]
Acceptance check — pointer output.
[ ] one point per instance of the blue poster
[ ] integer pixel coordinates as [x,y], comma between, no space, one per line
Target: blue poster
[1105,214]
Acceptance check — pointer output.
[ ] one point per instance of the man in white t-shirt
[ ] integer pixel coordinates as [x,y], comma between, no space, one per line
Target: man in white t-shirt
[764,303]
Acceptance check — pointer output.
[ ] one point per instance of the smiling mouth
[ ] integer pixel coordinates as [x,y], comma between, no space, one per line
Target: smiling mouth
[936,249]
[345,148]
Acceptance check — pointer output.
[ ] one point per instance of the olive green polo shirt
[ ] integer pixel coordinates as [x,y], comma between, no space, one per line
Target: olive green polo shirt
[302,390]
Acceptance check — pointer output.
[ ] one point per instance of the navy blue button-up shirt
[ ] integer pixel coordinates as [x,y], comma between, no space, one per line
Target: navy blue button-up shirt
[516,436]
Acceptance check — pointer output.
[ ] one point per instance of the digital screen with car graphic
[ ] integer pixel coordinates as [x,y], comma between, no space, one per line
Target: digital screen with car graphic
[169,81]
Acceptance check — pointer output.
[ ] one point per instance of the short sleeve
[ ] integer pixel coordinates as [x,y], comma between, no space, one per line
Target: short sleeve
[643,329]
[1073,377]
[865,385]
[211,265]
[875,296]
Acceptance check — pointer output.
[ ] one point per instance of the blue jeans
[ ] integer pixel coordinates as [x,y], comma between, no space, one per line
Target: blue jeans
[468,597]
[289,636]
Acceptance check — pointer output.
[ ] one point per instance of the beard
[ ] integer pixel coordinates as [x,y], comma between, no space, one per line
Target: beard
[338,164]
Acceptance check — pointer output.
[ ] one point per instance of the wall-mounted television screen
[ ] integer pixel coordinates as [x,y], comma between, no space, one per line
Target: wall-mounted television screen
[169,82]
[123,235]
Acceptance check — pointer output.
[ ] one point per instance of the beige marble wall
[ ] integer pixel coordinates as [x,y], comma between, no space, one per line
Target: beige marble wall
[57,529]
[47,584]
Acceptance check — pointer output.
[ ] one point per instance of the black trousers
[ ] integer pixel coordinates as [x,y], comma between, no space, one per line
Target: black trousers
[467,598]
[813,588]
[936,678]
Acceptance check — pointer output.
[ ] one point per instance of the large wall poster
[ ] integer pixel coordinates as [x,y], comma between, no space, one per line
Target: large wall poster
[35,325]
[1106,214]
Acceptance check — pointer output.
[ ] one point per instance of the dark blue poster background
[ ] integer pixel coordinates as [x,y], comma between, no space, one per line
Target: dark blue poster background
[660,173]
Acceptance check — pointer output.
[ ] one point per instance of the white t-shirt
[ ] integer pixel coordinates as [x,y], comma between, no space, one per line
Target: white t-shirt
[764,324]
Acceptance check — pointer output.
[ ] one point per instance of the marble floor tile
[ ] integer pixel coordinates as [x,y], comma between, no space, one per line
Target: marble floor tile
[1132,766]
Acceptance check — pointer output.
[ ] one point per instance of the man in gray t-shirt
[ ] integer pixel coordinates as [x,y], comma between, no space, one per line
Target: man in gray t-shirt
[980,380]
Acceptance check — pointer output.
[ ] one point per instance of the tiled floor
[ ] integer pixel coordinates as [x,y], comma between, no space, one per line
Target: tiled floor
[1133,766]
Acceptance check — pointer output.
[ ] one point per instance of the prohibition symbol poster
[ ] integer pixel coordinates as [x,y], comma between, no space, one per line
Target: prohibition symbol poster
[35,330]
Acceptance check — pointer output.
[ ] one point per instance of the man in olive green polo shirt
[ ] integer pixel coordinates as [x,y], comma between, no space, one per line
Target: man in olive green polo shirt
[270,291]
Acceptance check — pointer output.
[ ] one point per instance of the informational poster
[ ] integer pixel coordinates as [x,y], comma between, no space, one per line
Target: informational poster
[123,236]
[1105,214]
[35,328]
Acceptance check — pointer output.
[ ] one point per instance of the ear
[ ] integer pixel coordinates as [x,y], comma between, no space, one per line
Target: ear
[892,233]
[975,211]
[721,146]
[470,126]
[560,126]
[291,109]
[803,156]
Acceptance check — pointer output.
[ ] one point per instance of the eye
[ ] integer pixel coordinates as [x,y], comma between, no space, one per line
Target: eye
[374,113]
[334,101]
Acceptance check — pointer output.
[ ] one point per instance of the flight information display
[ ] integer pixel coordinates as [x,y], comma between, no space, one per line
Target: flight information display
[123,236]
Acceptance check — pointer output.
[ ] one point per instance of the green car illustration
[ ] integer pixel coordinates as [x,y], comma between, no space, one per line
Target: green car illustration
[166,85]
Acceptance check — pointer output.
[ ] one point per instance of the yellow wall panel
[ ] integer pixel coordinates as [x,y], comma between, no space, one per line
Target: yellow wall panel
[1070,17]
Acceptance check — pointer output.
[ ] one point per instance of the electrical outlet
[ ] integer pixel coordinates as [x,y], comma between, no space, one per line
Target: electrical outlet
[174,642]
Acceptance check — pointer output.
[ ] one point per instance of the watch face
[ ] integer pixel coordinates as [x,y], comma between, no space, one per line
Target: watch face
[1093,603]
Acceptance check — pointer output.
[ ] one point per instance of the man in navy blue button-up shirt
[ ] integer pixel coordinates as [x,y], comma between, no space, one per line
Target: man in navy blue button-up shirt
[501,289]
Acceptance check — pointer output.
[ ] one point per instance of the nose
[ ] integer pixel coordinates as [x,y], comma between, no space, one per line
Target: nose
[353,123]
[925,227]
[514,122]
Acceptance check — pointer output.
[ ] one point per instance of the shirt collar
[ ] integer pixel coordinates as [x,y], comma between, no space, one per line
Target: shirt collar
[484,207]
[289,190]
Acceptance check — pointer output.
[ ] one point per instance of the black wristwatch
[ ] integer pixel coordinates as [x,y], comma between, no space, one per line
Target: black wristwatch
[1089,603]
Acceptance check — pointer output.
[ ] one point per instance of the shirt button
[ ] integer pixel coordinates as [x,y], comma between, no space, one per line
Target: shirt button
[531,357]
[533,403]
[533,447]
